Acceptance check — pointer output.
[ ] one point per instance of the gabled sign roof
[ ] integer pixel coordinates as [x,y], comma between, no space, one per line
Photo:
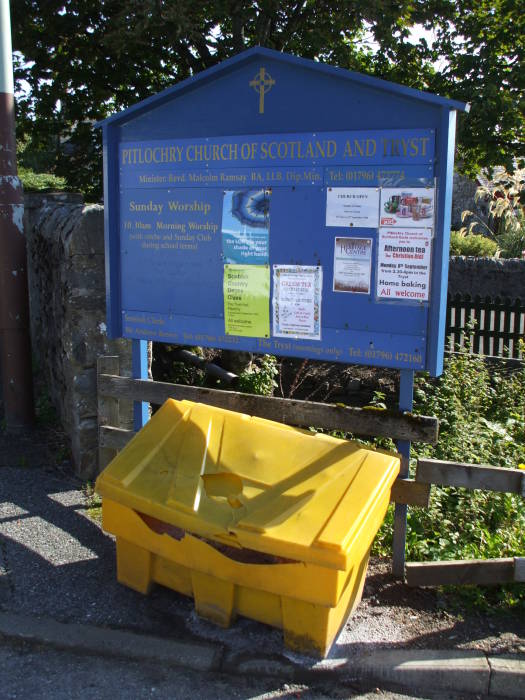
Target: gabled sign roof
[258,52]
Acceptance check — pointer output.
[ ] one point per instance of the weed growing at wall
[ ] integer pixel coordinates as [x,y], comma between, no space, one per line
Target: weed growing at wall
[93,502]
[45,411]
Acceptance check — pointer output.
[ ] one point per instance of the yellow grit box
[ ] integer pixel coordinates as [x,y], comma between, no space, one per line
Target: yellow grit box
[249,516]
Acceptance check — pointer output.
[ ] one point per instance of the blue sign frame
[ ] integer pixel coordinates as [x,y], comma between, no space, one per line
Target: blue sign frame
[173,161]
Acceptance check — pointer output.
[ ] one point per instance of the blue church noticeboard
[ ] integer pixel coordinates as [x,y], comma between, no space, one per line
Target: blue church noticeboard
[278,205]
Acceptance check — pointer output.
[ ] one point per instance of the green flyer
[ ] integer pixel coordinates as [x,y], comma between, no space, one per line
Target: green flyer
[247,300]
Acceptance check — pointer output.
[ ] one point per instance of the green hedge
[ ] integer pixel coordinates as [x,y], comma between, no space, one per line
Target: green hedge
[472,245]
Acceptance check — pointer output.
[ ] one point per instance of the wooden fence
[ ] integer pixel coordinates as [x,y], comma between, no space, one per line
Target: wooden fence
[498,325]
[469,571]
[399,426]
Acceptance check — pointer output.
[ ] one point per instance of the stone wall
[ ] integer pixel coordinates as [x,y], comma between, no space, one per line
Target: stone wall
[65,242]
[487,277]
[463,199]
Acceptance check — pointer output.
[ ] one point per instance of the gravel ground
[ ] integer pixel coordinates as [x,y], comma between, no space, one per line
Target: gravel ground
[55,561]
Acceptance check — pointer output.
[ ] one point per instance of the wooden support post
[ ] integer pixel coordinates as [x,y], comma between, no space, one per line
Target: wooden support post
[114,438]
[519,569]
[406,393]
[108,408]
[410,492]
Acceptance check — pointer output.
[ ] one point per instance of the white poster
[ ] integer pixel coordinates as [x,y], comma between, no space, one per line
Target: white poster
[297,301]
[403,264]
[352,206]
[407,206]
[352,265]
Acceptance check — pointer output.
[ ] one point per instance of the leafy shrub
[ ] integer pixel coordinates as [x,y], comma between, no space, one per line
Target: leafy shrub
[482,421]
[511,241]
[505,195]
[481,414]
[41,182]
[259,378]
[472,245]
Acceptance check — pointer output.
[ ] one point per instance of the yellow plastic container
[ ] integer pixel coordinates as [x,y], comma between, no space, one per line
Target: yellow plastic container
[248,516]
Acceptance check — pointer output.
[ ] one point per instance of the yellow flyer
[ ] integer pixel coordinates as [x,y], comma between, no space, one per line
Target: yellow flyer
[247,300]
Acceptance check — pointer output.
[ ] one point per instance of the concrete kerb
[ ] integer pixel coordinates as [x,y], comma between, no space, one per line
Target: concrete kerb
[454,671]
[89,639]
[507,676]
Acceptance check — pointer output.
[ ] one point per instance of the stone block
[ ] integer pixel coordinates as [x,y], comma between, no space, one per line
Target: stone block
[487,277]
[85,382]
[87,238]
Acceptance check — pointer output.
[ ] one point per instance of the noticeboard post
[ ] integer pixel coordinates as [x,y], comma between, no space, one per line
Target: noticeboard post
[278,205]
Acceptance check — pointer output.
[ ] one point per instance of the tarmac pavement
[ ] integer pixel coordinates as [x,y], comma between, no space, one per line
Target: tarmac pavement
[58,591]
[34,673]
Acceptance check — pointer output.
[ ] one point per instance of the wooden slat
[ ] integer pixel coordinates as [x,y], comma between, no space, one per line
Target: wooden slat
[410,493]
[108,407]
[114,438]
[507,330]
[519,569]
[499,322]
[461,572]
[470,476]
[399,426]
[477,342]
[516,327]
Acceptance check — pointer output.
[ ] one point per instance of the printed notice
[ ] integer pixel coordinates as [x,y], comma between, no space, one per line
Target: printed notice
[352,265]
[403,264]
[246,227]
[297,301]
[247,300]
[407,207]
[352,206]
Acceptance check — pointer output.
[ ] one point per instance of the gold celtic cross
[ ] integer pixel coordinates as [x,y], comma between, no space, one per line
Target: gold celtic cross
[262,83]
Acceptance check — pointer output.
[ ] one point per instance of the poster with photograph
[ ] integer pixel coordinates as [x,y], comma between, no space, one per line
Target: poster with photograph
[403,264]
[297,301]
[246,227]
[352,265]
[352,206]
[407,207]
